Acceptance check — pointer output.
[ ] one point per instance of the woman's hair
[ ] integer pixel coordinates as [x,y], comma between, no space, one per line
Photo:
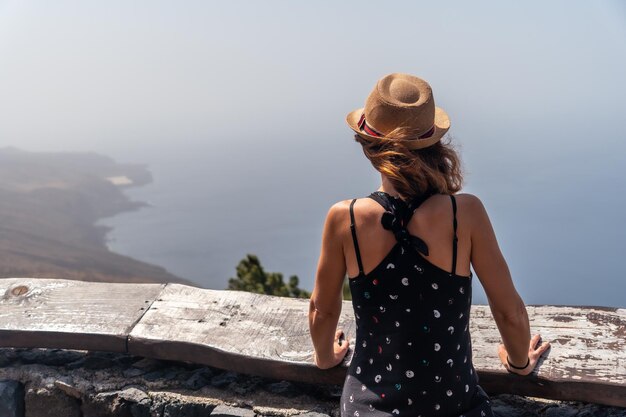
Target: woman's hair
[434,169]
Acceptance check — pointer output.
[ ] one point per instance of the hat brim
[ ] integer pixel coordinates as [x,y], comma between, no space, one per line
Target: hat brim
[441,126]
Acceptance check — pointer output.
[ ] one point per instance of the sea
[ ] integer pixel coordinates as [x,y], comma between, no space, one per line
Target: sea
[557,207]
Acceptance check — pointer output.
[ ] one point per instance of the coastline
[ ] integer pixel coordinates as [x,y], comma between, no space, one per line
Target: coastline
[50,205]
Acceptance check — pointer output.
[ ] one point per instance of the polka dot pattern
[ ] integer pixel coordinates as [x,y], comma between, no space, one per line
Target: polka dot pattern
[413,350]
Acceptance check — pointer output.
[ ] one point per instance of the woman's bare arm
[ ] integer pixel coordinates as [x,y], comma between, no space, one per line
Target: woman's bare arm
[506,305]
[325,302]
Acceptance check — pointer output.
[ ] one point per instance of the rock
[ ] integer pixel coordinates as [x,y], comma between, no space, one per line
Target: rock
[506,405]
[163,374]
[30,355]
[8,356]
[148,364]
[68,389]
[154,375]
[558,411]
[92,362]
[139,401]
[187,410]
[506,410]
[593,410]
[284,388]
[50,357]
[139,410]
[42,402]
[128,402]
[105,392]
[224,379]
[132,372]
[11,399]
[60,357]
[125,360]
[98,362]
[198,379]
[329,392]
[246,385]
[105,404]
[134,395]
[228,411]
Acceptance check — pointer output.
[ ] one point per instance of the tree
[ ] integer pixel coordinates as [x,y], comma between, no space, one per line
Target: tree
[347,295]
[252,277]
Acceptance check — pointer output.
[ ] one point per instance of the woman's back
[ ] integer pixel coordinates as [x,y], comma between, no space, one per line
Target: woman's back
[412,351]
[432,221]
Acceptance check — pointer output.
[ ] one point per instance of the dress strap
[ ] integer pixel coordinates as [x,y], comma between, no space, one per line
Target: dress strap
[354,239]
[455,239]
[396,218]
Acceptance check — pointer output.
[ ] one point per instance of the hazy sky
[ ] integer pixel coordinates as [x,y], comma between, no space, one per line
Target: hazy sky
[102,75]
[251,96]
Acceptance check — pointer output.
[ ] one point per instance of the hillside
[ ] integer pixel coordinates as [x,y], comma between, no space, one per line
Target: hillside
[49,203]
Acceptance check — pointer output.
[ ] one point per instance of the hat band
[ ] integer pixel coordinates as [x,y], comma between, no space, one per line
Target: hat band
[364,126]
[370,131]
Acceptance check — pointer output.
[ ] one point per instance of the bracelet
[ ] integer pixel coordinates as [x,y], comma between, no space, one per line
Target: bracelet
[517,367]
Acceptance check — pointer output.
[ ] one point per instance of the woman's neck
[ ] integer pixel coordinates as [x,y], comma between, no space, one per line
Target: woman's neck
[388,187]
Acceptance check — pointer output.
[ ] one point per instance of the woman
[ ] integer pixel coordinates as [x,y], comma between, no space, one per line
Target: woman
[407,250]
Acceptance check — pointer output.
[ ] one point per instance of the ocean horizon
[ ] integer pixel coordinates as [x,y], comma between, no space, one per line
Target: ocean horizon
[199,226]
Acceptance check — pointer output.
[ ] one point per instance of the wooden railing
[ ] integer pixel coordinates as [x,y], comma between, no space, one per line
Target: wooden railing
[268,336]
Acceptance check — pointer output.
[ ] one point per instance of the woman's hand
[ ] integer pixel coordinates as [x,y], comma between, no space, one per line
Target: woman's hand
[340,348]
[534,352]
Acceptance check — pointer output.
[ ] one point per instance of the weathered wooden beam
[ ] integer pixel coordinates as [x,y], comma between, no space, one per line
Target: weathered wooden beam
[268,336]
[239,331]
[587,360]
[53,313]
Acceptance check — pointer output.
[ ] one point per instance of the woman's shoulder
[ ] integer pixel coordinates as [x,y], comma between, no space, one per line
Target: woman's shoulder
[469,202]
[471,212]
[469,208]
[364,208]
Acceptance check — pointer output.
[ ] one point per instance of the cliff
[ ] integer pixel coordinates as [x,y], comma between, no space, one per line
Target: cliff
[49,205]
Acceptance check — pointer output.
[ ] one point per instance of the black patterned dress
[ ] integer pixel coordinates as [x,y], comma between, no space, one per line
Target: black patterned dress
[413,353]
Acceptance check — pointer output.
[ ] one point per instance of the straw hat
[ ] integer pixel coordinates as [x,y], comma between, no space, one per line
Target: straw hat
[400,101]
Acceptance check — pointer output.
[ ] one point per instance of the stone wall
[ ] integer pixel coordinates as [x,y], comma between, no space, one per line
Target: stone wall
[70,383]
